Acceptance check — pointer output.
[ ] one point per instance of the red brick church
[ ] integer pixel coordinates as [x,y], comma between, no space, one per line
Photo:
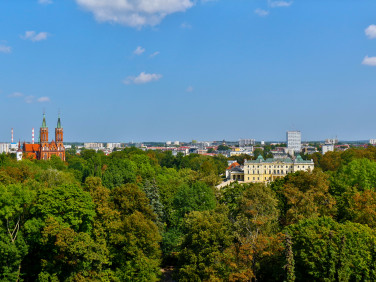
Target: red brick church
[44,150]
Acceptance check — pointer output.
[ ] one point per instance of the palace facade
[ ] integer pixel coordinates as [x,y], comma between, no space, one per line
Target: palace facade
[263,171]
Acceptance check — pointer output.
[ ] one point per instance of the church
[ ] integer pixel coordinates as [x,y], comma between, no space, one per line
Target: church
[44,150]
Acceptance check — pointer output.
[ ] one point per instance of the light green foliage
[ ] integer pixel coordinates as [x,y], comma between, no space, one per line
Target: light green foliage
[15,201]
[359,173]
[348,185]
[53,177]
[68,204]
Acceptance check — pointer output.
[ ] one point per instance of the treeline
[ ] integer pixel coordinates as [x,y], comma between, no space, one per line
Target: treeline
[147,216]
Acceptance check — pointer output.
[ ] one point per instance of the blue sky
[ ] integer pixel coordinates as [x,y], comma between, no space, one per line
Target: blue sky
[158,70]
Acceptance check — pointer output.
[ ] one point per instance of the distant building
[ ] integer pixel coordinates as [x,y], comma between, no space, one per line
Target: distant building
[246,142]
[94,146]
[113,145]
[327,148]
[332,141]
[308,150]
[176,143]
[294,141]
[168,143]
[45,149]
[263,171]
[4,148]
[372,141]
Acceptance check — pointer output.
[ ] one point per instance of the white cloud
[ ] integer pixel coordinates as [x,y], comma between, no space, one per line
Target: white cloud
[189,89]
[277,4]
[5,48]
[135,13]
[15,95]
[369,61]
[139,50]
[371,31]
[142,78]
[43,99]
[33,36]
[186,25]
[261,12]
[29,99]
[154,54]
[46,2]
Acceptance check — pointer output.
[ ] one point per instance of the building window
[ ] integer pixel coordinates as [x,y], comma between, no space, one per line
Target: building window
[248,178]
[253,178]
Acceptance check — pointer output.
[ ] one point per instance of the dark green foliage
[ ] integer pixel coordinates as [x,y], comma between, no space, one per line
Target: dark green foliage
[195,197]
[327,250]
[125,216]
[207,235]
[152,193]
[119,172]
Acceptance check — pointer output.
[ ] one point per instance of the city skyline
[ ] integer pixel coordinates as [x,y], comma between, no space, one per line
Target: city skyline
[205,70]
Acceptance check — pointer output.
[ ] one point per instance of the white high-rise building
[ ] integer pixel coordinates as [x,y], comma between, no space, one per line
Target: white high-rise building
[294,141]
[246,142]
[327,148]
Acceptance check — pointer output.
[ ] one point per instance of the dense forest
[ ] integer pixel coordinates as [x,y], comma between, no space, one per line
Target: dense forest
[149,216]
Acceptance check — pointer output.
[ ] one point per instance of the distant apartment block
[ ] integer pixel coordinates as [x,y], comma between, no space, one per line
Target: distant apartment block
[246,142]
[332,141]
[327,148]
[372,141]
[4,148]
[92,145]
[113,145]
[294,141]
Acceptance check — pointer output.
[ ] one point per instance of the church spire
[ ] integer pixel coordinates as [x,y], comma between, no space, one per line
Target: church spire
[58,122]
[44,124]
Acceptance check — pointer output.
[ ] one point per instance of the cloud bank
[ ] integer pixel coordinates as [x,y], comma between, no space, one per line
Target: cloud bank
[142,78]
[371,31]
[134,13]
[33,36]
[369,61]
[5,48]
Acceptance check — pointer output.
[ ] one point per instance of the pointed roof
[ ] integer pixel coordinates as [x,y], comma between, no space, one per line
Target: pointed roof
[44,124]
[58,122]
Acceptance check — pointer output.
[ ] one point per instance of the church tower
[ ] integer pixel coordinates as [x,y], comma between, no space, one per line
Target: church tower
[44,132]
[44,146]
[58,133]
[59,137]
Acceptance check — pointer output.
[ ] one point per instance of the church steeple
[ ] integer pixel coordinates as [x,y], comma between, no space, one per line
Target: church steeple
[44,131]
[59,133]
[58,122]
[44,124]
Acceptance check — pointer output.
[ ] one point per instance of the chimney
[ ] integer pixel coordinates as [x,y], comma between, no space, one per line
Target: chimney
[32,136]
[12,135]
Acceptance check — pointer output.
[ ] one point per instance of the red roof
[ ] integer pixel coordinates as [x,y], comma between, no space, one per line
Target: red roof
[233,165]
[31,148]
